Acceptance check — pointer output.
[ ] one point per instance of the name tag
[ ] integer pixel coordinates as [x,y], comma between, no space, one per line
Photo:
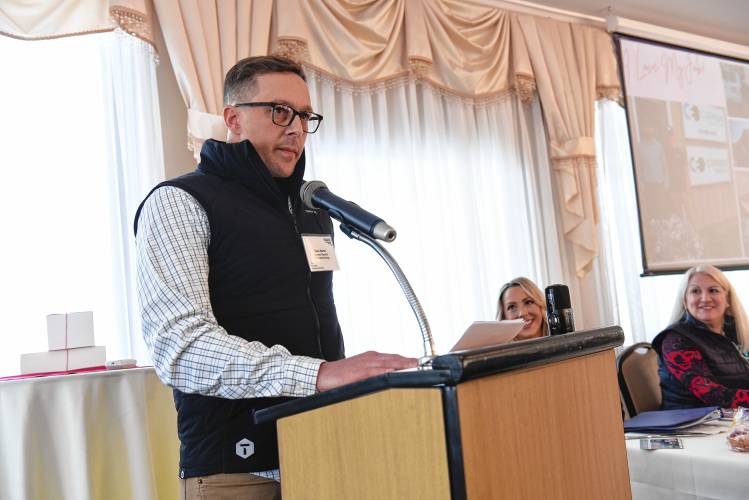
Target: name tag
[320,252]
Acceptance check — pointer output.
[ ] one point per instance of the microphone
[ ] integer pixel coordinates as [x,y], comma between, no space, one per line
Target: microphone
[559,310]
[315,194]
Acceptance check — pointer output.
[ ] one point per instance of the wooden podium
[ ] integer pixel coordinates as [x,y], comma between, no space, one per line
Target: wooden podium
[539,419]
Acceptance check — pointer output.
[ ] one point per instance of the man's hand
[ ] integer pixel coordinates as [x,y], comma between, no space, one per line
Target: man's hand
[345,371]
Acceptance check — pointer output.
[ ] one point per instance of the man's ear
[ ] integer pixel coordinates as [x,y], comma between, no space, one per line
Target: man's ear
[231,119]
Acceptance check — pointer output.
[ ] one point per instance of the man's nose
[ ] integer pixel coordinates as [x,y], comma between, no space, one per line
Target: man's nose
[295,126]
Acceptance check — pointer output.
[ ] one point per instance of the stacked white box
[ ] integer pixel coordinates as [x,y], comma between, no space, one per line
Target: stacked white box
[71,345]
[63,360]
[71,330]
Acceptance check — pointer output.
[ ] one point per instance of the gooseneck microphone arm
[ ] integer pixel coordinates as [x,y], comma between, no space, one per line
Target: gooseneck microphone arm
[358,224]
[426,333]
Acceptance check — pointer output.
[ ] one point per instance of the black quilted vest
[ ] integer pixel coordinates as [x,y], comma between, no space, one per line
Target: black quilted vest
[261,289]
[719,352]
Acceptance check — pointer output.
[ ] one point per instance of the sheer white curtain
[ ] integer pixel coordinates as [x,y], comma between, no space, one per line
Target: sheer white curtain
[81,145]
[643,304]
[619,226]
[465,185]
[135,164]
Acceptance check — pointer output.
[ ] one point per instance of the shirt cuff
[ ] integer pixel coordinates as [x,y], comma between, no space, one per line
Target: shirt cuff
[302,376]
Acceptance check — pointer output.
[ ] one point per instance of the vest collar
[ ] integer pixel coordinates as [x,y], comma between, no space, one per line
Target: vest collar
[239,161]
[729,325]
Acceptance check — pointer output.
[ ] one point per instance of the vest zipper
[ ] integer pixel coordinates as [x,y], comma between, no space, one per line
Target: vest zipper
[293,218]
[309,280]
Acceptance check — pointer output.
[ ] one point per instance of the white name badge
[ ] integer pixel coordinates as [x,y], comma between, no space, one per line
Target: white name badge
[320,252]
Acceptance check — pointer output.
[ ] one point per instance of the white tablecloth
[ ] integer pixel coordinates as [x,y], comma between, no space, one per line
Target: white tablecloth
[101,435]
[705,468]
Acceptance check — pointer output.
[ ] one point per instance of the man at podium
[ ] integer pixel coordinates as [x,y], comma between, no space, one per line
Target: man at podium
[232,314]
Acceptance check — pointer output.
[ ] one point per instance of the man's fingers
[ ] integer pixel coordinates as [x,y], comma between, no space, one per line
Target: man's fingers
[395,361]
[365,365]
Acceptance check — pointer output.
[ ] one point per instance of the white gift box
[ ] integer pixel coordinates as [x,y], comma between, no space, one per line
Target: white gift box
[69,331]
[63,360]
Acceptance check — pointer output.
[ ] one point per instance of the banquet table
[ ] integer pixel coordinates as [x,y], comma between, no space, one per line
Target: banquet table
[106,434]
[705,469]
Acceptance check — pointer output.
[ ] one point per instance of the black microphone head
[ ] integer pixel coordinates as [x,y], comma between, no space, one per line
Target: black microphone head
[559,310]
[558,297]
[308,189]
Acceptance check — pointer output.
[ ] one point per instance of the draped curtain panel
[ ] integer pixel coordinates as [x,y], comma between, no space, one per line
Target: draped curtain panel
[574,65]
[204,40]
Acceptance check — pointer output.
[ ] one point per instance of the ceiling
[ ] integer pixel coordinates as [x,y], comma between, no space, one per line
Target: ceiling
[726,20]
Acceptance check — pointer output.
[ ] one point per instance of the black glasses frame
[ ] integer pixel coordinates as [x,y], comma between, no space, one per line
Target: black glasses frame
[310,121]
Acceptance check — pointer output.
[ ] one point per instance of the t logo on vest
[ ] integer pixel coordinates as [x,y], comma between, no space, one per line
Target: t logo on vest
[245,448]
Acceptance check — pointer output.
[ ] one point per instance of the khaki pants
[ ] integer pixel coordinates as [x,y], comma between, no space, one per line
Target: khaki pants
[229,486]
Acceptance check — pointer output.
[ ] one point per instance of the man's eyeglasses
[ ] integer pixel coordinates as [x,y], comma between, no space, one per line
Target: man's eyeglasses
[283,115]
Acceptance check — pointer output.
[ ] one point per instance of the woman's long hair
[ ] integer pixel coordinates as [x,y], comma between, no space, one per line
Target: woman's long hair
[532,291]
[735,309]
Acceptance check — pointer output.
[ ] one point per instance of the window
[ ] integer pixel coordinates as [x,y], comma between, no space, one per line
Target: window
[81,145]
[466,186]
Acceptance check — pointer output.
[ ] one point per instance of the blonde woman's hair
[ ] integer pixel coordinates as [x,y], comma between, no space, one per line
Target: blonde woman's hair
[735,309]
[532,291]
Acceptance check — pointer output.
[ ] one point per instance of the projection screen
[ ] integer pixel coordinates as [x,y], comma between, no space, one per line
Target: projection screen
[688,116]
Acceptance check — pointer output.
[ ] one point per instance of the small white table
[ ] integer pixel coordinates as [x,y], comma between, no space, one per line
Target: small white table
[705,469]
[108,434]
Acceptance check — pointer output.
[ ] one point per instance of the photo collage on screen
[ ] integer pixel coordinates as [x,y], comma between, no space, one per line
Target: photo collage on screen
[736,84]
[689,123]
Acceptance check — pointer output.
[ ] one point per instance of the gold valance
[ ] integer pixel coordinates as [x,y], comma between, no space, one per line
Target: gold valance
[42,19]
[464,48]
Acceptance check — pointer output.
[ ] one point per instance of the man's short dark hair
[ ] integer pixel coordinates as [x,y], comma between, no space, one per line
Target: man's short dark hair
[242,77]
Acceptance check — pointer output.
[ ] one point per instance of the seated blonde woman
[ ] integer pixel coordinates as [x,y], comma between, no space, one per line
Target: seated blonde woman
[522,299]
[700,359]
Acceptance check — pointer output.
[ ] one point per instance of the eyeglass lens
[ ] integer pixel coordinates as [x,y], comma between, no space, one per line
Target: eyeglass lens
[283,115]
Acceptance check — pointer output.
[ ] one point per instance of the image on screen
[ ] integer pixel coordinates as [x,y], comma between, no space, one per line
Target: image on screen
[688,116]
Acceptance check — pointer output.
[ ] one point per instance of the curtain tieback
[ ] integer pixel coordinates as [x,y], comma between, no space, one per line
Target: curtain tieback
[573,148]
[204,125]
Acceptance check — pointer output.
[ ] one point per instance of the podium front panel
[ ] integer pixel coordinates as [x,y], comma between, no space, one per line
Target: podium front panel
[550,432]
[390,444]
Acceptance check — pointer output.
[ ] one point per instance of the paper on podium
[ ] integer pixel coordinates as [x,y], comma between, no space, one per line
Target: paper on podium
[486,333]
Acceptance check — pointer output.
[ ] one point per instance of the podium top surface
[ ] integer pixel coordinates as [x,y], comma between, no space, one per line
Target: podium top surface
[457,367]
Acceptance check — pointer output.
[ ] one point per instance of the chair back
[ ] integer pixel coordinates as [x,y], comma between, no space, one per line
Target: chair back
[637,369]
